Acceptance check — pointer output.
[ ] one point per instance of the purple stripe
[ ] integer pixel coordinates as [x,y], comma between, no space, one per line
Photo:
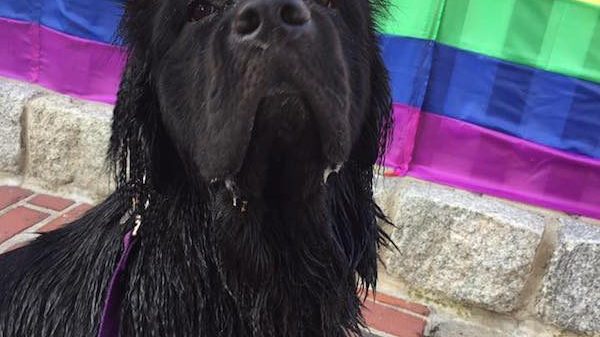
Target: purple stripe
[67,64]
[467,156]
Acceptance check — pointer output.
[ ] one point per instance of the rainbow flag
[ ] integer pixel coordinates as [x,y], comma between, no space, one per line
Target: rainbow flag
[498,97]
[65,45]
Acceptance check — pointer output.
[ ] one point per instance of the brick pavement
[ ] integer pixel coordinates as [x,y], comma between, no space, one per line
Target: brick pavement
[25,214]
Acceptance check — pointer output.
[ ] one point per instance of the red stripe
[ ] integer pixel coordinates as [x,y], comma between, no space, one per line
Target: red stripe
[464,155]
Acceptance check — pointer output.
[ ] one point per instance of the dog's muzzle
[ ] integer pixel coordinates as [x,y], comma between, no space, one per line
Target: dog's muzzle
[276,68]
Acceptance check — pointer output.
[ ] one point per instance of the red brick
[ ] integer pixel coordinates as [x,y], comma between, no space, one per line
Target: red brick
[12,194]
[51,202]
[66,218]
[399,303]
[392,321]
[17,220]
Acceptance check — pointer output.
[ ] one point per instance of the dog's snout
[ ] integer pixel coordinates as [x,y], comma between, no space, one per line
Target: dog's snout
[248,20]
[294,13]
[265,15]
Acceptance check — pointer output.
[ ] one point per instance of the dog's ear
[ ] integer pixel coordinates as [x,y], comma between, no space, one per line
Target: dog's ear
[378,123]
[129,151]
[136,107]
[147,28]
[356,214]
[136,22]
[374,139]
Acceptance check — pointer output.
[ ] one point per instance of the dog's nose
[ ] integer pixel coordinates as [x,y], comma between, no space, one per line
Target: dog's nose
[256,15]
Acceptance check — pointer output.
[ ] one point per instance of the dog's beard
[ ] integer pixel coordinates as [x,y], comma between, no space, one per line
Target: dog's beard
[280,264]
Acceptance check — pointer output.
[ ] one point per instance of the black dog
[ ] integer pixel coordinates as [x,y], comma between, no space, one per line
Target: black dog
[244,139]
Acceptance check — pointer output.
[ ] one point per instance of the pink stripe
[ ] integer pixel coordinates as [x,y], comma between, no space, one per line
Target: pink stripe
[16,52]
[464,155]
[400,151]
[64,63]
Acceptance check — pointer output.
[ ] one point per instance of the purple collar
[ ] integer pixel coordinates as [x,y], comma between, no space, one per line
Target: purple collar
[111,313]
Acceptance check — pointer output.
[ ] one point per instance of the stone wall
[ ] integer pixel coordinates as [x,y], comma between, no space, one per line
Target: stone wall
[53,141]
[486,267]
[506,269]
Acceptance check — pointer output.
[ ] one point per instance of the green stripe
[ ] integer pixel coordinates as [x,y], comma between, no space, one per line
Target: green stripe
[453,18]
[533,18]
[593,56]
[412,18]
[561,36]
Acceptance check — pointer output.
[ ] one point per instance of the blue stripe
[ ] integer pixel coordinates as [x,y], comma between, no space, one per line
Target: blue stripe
[89,19]
[536,105]
[409,69]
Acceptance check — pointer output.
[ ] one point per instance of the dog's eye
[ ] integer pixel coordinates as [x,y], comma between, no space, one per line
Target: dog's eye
[199,9]
[327,3]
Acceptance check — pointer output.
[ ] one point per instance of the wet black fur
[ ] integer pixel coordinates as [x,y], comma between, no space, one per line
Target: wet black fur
[287,266]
